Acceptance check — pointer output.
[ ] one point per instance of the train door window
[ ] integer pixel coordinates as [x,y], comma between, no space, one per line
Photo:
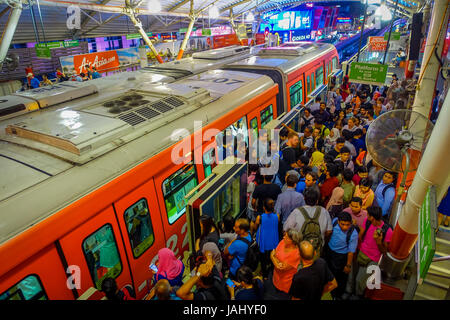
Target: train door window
[308,85]
[319,76]
[139,227]
[237,133]
[209,161]
[102,256]
[312,82]
[29,288]
[335,63]
[266,116]
[175,188]
[296,94]
[254,127]
[330,68]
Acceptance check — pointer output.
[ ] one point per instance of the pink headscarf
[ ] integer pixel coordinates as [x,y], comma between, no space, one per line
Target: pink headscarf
[336,198]
[168,266]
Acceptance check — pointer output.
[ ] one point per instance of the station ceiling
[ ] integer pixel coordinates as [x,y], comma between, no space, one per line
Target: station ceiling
[101,18]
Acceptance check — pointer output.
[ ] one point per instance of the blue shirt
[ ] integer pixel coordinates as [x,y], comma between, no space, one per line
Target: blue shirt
[287,202]
[358,143]
[386,201]
[34,83]
[267,234]
[96,75]
[238,249]
[338,241]
[301,185]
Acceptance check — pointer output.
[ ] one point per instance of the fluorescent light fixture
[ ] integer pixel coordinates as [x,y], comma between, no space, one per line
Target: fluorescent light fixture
[154,6]
[374,2]
[214,12]
[250,17]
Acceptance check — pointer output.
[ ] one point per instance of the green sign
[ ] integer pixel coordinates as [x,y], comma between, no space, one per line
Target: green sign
[368,73]
[206,32]
[71,43]
[184,30]
[394,36]
[43,51]
[137,35]
[427,233]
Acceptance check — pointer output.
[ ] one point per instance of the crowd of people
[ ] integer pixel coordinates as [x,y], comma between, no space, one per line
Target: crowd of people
[33,82]
[313,227]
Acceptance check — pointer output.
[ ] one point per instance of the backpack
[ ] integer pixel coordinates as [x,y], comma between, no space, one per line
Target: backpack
[311,229]
[306,124]
[383,192]
[218,291]
[384,229]
[127,293]
[252,254]
[349,231]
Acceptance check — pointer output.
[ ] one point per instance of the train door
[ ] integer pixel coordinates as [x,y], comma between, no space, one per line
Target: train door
[140,221]
[296,93]
[96,248]
[171,188]
[41,277]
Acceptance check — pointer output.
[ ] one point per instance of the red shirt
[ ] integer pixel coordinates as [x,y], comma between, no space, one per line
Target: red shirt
[327,189]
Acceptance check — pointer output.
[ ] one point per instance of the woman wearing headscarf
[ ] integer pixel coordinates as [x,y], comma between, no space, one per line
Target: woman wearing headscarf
[216,255]
[335,205]
[169,267]
[330,140]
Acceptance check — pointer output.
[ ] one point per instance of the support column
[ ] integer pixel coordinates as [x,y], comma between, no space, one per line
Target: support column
[430,64]
[9,31]
[138,24]
[188,32]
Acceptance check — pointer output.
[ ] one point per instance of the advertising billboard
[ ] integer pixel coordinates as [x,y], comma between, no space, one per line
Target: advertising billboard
[289,20]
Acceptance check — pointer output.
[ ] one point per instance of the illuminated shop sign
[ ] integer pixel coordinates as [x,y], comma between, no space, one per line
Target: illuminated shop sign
[289,20]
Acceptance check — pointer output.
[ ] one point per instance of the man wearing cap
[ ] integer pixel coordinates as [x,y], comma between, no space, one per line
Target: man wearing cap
[34,83]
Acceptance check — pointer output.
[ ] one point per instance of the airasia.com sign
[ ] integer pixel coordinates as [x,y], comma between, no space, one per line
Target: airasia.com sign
[377,44]
[102,61]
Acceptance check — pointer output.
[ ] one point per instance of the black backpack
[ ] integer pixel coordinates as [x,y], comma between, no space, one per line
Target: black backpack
[384,229]
[252,254]
[306,124]
[218,292]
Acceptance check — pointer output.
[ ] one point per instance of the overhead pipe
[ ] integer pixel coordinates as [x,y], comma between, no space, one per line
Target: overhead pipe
[188,32]
[10,29]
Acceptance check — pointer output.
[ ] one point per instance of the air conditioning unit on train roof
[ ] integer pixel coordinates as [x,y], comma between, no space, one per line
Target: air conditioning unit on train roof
[290,49]
[221,53]
[84,133]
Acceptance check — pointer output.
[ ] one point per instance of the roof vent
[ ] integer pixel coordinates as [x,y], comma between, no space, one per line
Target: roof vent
[221,53]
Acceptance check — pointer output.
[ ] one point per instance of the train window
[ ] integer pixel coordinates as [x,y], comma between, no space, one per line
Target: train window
[266,116]
[254,126]
[237,132]
[139,227]
[102,256]
[312,82]
[296,94]
[29,288]
[330,68]
[209,161]
[319,76]
[175,188]
[335,63]
[308,85]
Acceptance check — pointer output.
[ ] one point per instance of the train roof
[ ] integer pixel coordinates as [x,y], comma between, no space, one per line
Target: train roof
[286,58]
[44,97]
[52,157]
[203,61]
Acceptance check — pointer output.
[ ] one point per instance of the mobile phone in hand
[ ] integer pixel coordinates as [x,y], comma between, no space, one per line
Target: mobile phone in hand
[153,267]
[230,283]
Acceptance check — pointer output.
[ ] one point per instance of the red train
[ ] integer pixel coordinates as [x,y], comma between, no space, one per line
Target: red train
[89,186]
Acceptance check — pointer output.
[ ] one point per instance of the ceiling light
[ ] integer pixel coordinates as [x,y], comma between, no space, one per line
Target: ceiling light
[250,17]
[214,12]
[384,13]
[154,6]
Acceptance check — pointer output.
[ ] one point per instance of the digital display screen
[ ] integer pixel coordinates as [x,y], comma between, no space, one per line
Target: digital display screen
[289,20]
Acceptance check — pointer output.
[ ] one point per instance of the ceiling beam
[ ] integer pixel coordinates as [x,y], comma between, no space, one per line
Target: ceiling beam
[226,8]
[103,23]
[179,4]
[4,11]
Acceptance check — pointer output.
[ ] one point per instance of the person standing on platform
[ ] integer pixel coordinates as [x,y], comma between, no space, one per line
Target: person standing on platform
[385,194]
[34,83]
[364,191]
[314,279]
[267,235]
[340,250]
[348,186]
[289,199]
[374,239]
[237,249]
[331,182]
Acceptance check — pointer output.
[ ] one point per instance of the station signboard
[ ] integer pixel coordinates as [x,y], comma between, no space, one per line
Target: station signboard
[395,36]
[427,233]
[368,73]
